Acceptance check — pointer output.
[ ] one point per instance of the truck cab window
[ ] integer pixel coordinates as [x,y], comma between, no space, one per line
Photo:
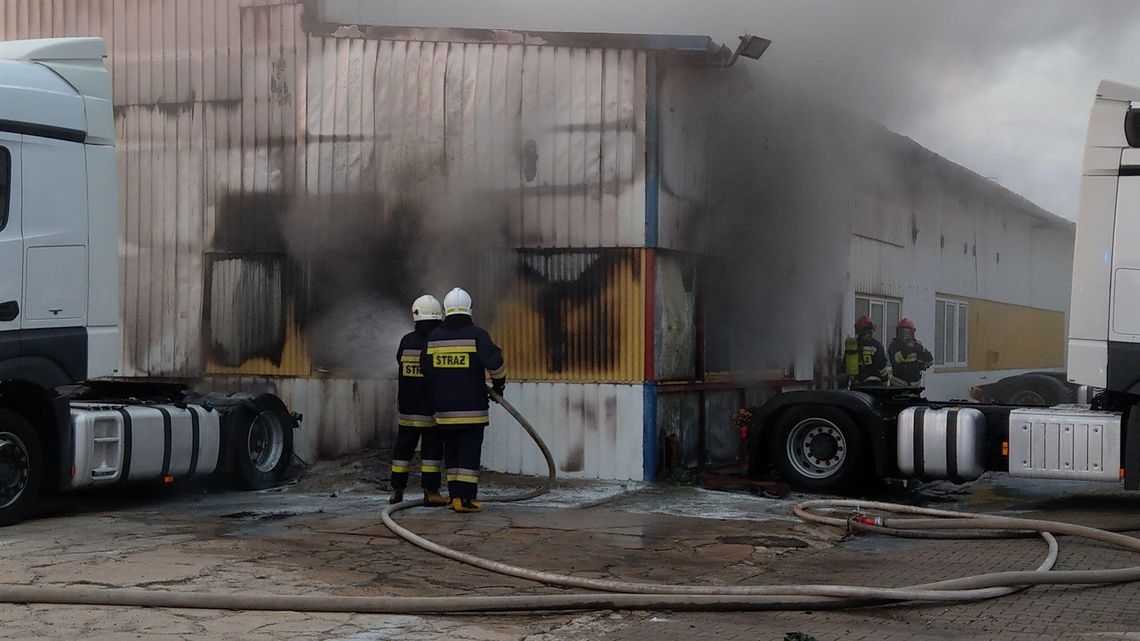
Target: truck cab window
[5,185]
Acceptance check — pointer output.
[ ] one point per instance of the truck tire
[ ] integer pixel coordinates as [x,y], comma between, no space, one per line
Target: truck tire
[819,448]
[259,441]
[1039,390]
[21,467]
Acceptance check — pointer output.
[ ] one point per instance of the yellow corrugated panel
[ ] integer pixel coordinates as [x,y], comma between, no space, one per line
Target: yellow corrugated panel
[1004,336]
[575,315]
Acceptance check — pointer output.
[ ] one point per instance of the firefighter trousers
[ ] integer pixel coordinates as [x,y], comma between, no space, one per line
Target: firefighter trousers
[462,451]
[431,457]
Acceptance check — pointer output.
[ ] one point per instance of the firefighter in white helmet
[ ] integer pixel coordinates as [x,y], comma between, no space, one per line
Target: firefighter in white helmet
[458,358]
[416,420]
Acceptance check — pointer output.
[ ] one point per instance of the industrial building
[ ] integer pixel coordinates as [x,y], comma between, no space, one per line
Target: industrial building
[628,211]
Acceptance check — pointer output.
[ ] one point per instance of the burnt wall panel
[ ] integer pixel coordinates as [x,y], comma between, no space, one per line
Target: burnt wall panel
[678,430]
[574,315]
[676,317]
[722,439]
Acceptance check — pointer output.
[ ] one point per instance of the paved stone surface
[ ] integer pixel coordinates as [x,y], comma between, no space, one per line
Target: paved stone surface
[323,536]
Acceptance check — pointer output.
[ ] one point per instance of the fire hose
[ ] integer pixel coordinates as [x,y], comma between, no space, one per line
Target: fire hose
[862,516]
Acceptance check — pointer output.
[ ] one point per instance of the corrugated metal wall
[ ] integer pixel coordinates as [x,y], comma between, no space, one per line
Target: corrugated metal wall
[593,431]
[556,133]
[686,153]
[878,267]
[220,133]
[253,299]
[886,214]
[701,425]
[340,415]
[169,61]
[177,73]
[678,339]
[233,121]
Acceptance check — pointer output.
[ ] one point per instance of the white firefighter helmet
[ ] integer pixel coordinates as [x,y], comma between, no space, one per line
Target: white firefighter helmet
[457,301]
[427,307]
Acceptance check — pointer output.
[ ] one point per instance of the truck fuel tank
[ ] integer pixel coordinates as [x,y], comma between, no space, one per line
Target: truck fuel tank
[117,442]
[941,443]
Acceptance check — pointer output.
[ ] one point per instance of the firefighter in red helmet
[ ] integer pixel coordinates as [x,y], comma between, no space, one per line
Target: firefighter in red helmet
[874,368]
[908,356]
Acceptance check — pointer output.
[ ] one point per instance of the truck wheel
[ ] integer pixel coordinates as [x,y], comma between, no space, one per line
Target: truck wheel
[1040,390]
[819,448]
[21,467]
[261,442]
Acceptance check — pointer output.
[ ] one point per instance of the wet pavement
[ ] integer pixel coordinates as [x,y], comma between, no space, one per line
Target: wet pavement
[323,536]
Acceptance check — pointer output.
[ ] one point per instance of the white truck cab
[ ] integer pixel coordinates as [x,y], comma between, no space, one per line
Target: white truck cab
[1104,317]
[59,298]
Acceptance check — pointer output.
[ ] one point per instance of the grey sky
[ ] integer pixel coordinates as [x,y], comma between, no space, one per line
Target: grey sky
[1000,86]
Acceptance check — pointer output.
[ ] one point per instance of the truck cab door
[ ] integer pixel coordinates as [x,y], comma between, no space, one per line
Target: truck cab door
[54,228]
[54,190]
[11,246]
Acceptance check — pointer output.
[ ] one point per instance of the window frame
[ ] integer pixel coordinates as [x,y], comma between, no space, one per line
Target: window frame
[885,302]
[960,338]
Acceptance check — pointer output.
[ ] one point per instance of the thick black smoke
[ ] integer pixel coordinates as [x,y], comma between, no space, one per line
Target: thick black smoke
[784,173]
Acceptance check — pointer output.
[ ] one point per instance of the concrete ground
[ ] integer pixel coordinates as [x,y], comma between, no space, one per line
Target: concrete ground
[322,535]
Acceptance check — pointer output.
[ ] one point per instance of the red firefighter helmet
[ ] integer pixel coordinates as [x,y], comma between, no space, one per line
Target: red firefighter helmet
[864,323]
[906,323]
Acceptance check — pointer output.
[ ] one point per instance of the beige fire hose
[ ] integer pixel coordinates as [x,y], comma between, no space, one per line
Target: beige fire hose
[864,516]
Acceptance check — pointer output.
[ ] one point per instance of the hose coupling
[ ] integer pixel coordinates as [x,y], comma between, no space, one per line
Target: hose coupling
[867,519]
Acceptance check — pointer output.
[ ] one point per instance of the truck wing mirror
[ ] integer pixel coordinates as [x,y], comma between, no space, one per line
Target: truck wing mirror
[1132,127]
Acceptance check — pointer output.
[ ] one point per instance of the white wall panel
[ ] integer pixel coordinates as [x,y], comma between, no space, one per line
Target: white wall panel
[341,416]
[593,431]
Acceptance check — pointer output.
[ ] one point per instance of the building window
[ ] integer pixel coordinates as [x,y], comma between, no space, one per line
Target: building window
[5,185]
[950,331]
[882,311]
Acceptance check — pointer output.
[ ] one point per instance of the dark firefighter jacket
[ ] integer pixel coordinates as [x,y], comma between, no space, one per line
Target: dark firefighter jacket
[873,360]
[908,359]
[414,394]
[457,356]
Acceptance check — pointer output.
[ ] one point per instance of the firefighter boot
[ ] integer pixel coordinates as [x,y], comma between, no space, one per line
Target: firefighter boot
[397,496]
[466,505]
[432,498]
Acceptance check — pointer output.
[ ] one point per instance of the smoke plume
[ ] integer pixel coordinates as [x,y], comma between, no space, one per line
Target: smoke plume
[776,226]
[424,232]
